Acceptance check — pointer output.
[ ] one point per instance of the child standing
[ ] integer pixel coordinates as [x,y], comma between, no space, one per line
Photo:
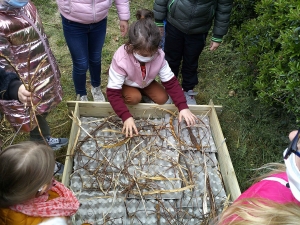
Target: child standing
[28,192]
[134,68]
[84,25]
[24,47]
[188,23]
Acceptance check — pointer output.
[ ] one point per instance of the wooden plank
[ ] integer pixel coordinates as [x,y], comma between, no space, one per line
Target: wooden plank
[142,110]
[70,151]
[226,167]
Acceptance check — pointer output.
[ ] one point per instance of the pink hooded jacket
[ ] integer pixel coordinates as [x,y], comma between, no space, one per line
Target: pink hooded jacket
[271,189]
[91,11]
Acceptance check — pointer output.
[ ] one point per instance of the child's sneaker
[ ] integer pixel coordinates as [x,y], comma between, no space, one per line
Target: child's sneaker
[97,94]
[146,99]
[56,143]
[169,101]
[59,168]
[190,97]
[84,98]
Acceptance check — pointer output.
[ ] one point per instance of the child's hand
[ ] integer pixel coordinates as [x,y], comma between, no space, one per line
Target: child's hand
[123,27]
[24,95]
[128,126]
[214,45]
[189,117]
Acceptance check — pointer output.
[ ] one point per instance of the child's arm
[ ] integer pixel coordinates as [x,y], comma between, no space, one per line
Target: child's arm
[173,88]
[124,15]
[11,87]
[114,96]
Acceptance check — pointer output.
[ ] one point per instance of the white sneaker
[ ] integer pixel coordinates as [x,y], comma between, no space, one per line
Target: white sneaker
[146,99]
[190,97]
[59,168]
[169,101]
[97,94]
[57,143]
[84,98]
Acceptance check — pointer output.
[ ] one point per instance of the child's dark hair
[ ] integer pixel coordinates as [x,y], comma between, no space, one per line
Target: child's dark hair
[143,34]
[24,169]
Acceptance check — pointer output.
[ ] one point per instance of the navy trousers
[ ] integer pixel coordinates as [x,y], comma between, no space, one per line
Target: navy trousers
[185,49]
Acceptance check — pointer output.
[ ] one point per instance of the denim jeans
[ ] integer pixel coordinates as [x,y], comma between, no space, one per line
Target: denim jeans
[186,48]
[85,42]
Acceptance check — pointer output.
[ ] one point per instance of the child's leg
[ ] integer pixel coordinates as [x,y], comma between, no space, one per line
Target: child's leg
[35,133]
[131,95]
[173,47]
[194,44]
[156,92]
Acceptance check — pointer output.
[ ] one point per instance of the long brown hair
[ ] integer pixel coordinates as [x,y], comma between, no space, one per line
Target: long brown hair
[143,34]
[24,168]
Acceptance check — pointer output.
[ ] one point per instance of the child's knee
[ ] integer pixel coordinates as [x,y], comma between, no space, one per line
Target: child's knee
[133,99]
[162,100]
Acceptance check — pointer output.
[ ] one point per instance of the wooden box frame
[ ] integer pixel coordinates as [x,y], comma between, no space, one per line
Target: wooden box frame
[97,109]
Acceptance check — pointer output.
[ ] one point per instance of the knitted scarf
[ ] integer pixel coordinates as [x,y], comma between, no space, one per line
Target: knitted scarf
[64,205]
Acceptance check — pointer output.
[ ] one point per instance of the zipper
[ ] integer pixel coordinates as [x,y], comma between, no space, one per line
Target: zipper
[94,10]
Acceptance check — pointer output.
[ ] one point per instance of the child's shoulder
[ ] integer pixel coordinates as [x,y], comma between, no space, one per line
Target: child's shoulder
[121,50]
[121,53]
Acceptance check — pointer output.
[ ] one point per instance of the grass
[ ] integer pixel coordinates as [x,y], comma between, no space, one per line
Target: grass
[255,134]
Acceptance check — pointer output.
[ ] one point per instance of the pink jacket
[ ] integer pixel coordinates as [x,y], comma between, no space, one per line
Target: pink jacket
[125,69]
[91,11]
[274,188]
[271,189]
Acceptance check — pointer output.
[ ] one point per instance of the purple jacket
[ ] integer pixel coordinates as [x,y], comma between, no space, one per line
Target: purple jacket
[91,11]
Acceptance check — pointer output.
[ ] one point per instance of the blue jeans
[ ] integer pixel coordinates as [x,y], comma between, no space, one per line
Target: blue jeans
[184,49]
[85,42]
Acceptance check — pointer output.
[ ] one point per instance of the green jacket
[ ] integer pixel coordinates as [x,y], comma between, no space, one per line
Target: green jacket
[195,16]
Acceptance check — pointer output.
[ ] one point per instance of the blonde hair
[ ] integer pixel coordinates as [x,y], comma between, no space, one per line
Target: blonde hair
[256,211]
[268,170]
[24,168]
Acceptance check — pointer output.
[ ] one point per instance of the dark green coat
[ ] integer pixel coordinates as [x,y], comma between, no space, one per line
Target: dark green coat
[195,16]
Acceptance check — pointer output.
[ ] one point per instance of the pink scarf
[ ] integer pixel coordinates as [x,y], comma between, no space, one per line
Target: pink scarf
[64,205]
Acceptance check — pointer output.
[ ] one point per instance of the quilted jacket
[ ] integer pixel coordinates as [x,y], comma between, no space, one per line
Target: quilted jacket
[24,49]
[91,11]
[195,16]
